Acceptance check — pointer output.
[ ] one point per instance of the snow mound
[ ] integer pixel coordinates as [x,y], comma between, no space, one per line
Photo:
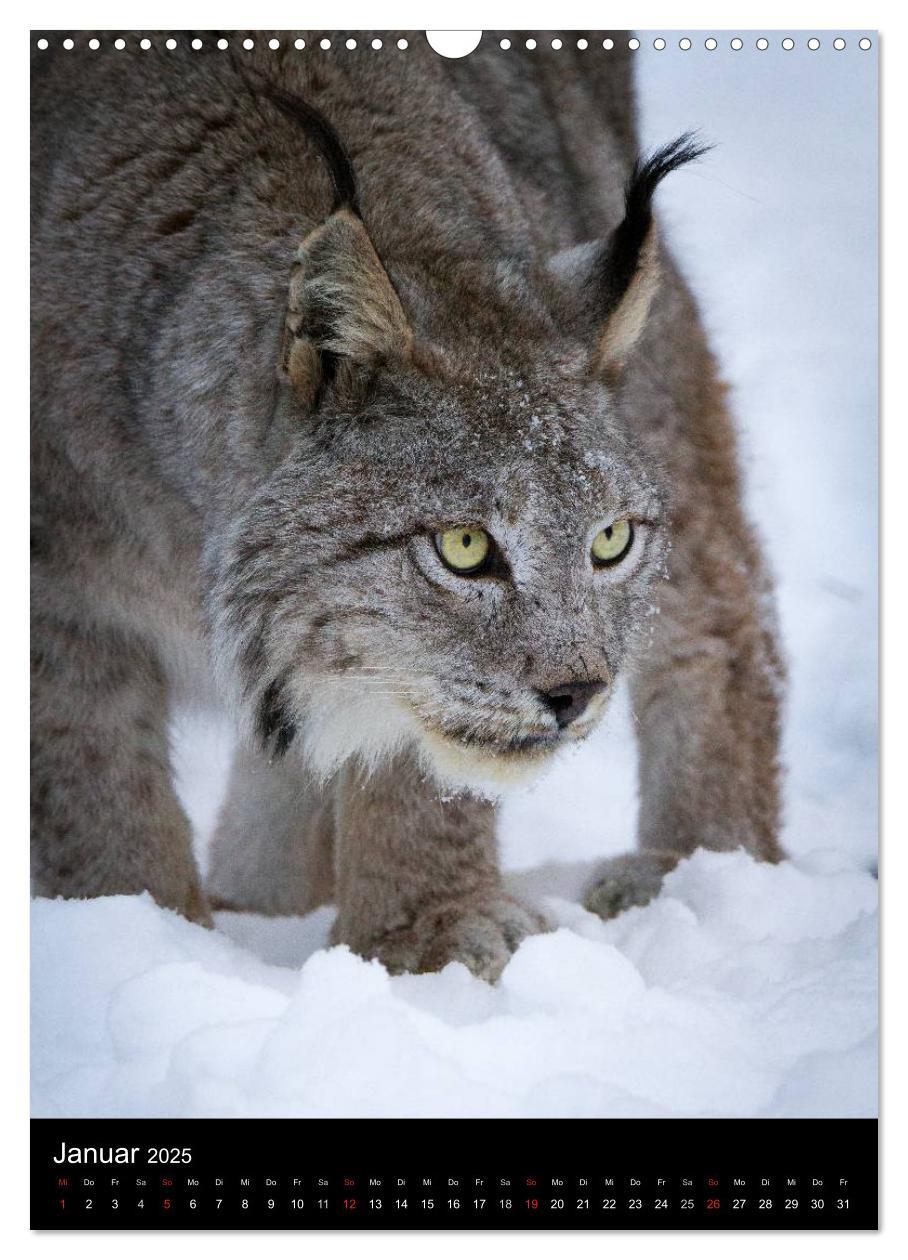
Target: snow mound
[743,990]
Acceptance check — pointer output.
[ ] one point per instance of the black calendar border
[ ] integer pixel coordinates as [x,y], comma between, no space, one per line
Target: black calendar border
[358,1149]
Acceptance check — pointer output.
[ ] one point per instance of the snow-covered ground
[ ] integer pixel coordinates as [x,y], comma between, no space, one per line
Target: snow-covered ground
[743,990]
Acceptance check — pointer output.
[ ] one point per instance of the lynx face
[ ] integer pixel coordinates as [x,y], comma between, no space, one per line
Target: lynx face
[361,629]
[456,553]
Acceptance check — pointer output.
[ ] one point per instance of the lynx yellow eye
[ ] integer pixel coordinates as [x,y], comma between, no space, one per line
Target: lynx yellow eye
[612,543]
[465,549]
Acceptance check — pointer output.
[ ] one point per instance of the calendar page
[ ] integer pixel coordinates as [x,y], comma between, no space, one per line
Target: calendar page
[454,781]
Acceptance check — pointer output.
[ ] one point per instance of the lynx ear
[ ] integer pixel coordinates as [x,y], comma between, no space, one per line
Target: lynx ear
[343,315]
[609,285]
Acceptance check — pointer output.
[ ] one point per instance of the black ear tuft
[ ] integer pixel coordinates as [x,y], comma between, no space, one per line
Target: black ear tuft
[627,240]
[328,143]
[604,289]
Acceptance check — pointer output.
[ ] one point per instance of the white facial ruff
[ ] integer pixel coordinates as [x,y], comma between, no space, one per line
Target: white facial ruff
[341,725]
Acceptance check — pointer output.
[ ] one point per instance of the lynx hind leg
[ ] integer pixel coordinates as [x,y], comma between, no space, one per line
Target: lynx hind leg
[272,851]
[706,699]
[105,818]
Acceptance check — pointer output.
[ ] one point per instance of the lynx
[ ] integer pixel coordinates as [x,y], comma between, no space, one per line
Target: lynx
[367,399]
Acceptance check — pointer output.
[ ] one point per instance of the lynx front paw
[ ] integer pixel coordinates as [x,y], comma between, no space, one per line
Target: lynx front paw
[480,934]
[631,880]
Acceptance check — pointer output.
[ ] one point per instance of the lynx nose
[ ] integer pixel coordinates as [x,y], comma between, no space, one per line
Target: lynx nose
[570,700]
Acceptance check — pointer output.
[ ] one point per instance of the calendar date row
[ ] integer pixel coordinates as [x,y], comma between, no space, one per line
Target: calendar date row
[413,1204]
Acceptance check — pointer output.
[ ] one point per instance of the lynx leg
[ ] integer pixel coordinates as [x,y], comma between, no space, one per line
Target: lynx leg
[706,699]
[417,880]
[272,851]
[104,815]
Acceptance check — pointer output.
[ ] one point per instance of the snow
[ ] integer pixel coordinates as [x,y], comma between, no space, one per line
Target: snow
[743,989]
